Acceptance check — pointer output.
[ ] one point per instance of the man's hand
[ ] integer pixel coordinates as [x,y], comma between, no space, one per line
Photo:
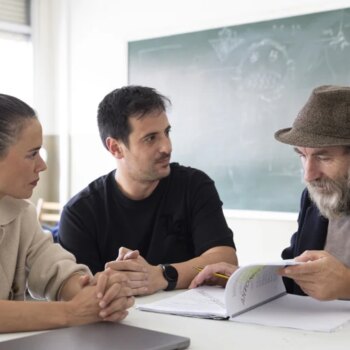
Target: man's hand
[207,275]
[142,277]
[125,254]
[323,277]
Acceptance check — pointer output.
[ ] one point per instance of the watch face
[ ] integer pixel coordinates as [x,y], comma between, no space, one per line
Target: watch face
[170,273]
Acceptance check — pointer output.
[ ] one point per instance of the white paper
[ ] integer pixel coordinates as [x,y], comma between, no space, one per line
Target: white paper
[299,312]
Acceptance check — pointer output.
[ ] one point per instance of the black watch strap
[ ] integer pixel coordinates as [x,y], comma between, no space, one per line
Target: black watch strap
[171,275]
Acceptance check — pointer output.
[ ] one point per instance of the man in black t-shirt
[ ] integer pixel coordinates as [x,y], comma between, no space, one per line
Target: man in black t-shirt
[151,219]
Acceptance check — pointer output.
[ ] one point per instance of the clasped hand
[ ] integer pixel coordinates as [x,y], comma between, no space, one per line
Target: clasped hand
[113,294]
[143,278]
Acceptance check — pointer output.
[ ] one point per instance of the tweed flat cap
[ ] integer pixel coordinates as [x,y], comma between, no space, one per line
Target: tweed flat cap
[324,121]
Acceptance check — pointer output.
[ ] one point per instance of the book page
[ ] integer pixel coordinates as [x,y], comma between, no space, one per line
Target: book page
[252,285]
[204,302]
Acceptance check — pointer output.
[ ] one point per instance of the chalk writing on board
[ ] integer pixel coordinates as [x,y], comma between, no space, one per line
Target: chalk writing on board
[226,42]
[264,69]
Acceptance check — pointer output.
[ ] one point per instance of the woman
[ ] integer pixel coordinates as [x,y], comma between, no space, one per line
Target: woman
[28,258]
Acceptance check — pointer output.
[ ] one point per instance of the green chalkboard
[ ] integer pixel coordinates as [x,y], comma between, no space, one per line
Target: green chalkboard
[232,88]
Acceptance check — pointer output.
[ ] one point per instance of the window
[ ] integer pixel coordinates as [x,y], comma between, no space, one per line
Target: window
[16,58]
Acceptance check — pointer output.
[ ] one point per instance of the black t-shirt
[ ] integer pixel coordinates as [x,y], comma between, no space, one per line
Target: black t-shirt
[180,220]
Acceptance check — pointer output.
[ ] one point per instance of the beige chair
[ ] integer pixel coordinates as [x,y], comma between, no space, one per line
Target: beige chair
[48,212]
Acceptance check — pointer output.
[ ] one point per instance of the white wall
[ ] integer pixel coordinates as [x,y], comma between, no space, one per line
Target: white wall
[93,52]
[260,239]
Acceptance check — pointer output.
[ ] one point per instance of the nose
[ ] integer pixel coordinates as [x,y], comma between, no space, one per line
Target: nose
[312,170]
[41,165]
[166,145]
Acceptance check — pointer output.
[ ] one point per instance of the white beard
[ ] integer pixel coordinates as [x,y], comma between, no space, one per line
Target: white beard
[335,201]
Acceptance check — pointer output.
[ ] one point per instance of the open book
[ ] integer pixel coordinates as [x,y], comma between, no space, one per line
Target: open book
[256,294]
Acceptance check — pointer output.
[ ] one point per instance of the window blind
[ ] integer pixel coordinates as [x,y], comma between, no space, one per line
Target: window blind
[15,17]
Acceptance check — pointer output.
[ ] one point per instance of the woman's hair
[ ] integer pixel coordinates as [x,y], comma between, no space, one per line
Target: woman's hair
[13,115]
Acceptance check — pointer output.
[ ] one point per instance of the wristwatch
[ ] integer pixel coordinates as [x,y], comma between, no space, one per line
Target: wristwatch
[171,275]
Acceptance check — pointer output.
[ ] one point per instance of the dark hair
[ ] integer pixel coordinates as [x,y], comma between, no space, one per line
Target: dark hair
[13,114]
[119,105]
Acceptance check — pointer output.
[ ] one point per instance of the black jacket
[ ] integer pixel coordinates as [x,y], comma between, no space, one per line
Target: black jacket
[311,235]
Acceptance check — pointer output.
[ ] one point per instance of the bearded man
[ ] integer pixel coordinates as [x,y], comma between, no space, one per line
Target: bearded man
[321,137]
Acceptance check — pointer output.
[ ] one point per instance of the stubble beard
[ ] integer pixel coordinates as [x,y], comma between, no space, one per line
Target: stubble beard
[155,175]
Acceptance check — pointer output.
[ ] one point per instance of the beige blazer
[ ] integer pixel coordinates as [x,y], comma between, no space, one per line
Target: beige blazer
[28,256]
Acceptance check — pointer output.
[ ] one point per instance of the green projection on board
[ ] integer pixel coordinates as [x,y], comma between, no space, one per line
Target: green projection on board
[233,87]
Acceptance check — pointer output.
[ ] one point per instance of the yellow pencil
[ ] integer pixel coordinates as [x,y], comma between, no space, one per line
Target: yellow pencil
[220,275]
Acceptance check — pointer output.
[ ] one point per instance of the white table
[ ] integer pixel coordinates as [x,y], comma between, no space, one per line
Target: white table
[213,334]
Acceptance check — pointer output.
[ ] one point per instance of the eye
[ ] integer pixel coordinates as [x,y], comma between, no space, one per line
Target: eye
[324,158]
[32,155]
[299,153]
[149,138]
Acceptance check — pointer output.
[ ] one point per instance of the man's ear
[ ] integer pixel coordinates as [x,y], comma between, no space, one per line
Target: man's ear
[114,147]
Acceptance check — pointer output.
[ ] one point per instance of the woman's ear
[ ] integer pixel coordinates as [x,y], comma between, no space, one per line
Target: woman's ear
[114,147]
